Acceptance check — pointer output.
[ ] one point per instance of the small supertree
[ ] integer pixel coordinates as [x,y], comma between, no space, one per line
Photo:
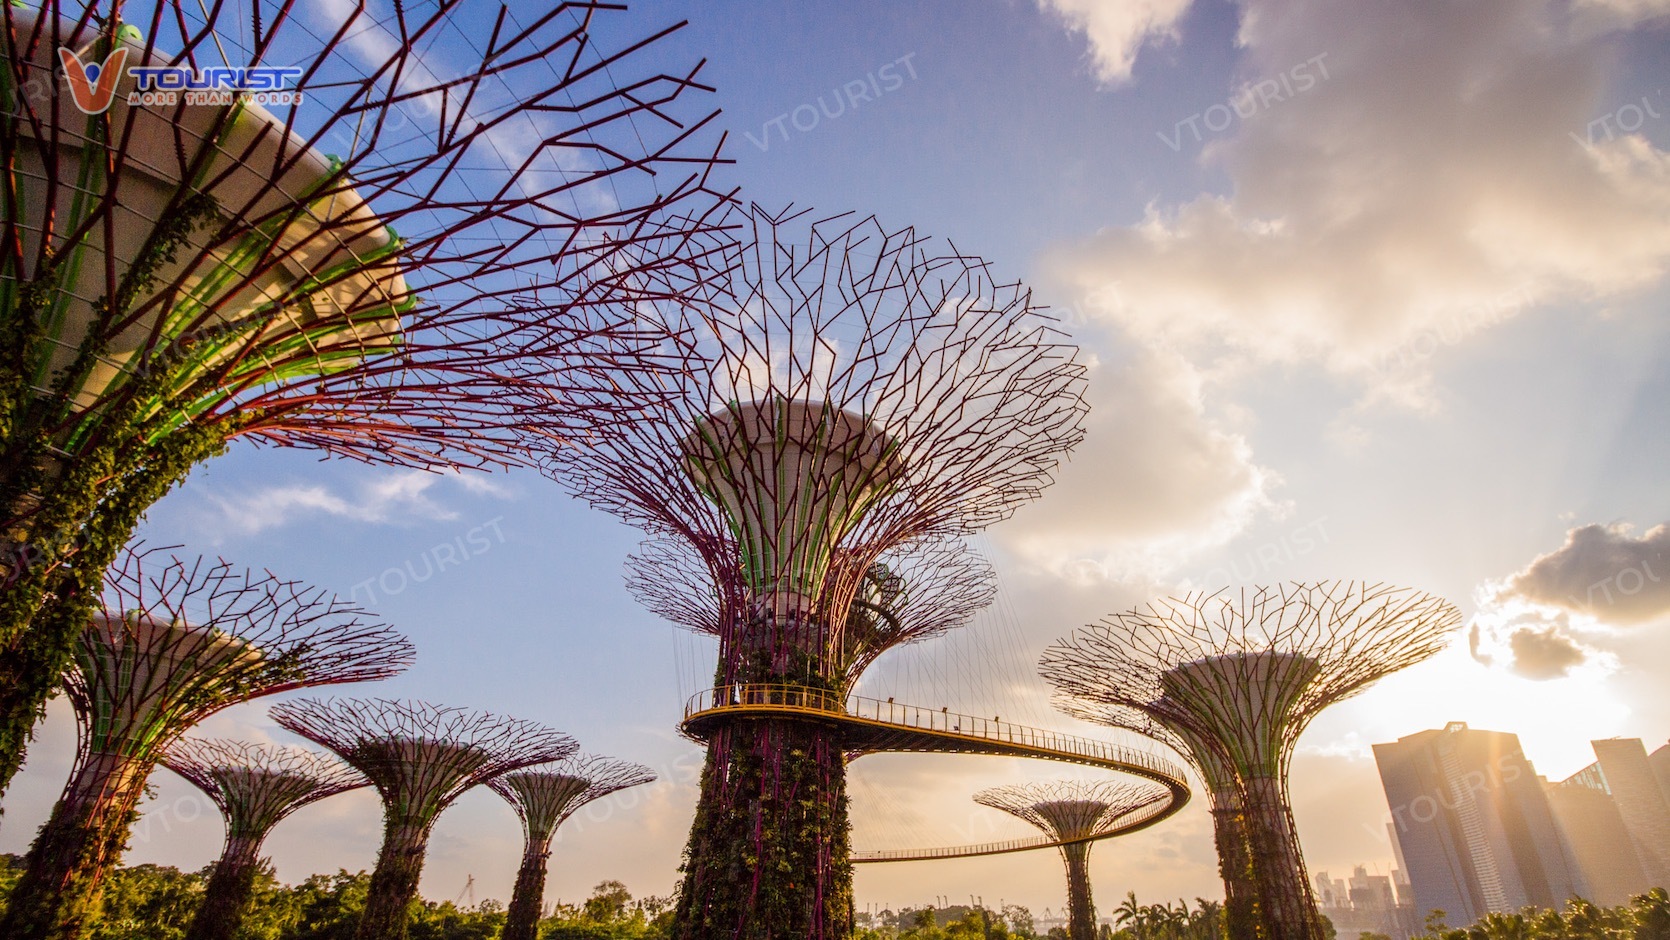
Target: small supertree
[175,642]
[438,193]
[1073,813]
[255,786]
[912,593]
[1236,680]
[852,389]
[544,797]
[420,757]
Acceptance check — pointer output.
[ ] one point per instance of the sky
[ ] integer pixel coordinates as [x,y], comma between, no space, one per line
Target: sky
[1368,290]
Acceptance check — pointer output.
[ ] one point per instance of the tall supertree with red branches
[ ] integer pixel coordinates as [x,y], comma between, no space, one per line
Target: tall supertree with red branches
[544,797]
[255,786]
[851,389]
[433,198]
[421,758]
[175,642]
[1235,680]
[1073,813]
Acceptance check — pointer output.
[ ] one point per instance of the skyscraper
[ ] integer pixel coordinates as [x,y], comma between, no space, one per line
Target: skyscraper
[1641,803]
[1472,823]
[1596,838]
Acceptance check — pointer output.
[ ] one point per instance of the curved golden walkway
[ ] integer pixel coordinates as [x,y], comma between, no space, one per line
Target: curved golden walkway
[873,726]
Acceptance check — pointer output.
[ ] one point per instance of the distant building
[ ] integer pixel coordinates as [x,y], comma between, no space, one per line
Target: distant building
[1473,824]
[1331,892]
[1367,903]
[1371,892]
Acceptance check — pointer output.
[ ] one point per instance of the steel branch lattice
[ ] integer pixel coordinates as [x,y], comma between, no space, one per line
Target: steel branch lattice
[851,389]
[1072,810]
[1249,672]
[366,303]
[257,785]
[419,756]
[1233,681]
[178,641]
[546,795]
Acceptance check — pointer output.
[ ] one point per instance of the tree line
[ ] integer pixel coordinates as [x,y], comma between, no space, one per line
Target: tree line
[156,902]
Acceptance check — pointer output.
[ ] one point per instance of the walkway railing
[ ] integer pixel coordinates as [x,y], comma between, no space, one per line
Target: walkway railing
[791,698]
[1000,737]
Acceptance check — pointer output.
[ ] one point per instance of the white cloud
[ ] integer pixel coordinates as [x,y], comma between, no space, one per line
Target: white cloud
[1537,643]
[1156,481]
[1118,29]
[1428,189]
[388,497]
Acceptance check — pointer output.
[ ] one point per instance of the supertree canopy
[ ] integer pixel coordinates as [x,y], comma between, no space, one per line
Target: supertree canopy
[851,389]
[544,797]
[255,786]
[1235,680]
[1073,813]
[175,642]
[349,248]
[420,757]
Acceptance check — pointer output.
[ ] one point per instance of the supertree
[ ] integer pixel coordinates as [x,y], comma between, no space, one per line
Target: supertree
[851,389]
[349,261]
[174,643]
[255,786]
[544,797]
[1073,813]
[1236,679]
[420,757]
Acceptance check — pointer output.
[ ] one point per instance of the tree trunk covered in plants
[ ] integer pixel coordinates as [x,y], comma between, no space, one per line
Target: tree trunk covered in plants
[522,917]
[1229,832]
[59,553]
[1287,907]
[394,884]
[768,852]
[1081,907]
[226,897]
[58,894]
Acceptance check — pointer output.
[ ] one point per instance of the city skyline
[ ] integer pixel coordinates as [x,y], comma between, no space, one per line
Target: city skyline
[1477,830]
[1484,421]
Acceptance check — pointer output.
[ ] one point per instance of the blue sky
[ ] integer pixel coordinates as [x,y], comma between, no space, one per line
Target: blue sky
[1404,321]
